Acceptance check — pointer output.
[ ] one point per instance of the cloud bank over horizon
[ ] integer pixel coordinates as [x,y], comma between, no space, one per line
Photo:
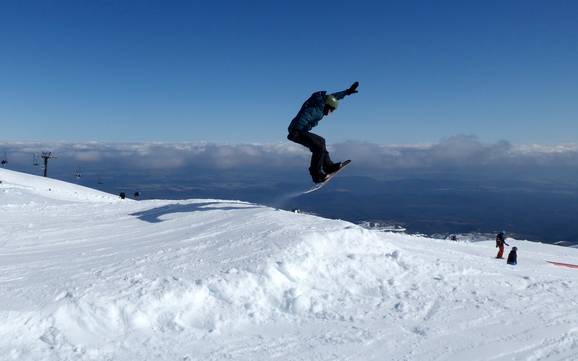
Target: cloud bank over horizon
[458,152]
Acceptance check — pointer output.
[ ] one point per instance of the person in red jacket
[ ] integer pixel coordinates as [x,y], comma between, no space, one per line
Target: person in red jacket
[500,242]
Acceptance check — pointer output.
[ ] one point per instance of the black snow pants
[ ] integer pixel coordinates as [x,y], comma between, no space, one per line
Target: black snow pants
[320,158]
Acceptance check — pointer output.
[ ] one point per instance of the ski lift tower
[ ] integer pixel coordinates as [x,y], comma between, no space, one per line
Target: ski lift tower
[46,156]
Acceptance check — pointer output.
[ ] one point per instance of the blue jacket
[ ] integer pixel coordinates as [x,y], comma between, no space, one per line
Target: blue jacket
[311,111]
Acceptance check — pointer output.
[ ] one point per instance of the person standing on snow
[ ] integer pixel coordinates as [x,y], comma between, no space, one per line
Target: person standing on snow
[318,105]
[500,241]
[513,256]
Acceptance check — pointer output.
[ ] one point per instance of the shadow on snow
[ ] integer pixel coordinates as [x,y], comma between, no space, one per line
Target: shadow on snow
[153,215]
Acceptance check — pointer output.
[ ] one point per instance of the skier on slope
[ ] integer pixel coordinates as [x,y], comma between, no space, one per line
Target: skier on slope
[500,241]
[318,105]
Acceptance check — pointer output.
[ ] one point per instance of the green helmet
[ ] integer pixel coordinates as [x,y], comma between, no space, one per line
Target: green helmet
[332,101]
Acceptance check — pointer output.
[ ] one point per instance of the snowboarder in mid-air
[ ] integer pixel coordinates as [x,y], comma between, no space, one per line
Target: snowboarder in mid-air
[318,105]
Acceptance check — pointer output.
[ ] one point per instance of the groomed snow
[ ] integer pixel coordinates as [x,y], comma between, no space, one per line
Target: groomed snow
[86,276]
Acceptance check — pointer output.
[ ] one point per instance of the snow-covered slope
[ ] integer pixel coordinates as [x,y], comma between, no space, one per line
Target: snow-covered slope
[84,276]
[15,185]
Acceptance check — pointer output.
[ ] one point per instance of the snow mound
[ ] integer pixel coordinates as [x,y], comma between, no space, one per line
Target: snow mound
[217,280]
[16,187]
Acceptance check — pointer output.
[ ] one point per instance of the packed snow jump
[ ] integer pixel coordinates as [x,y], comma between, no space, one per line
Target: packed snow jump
[319,104]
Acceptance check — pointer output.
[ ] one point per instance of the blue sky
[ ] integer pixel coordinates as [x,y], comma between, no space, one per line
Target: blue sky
[238,71]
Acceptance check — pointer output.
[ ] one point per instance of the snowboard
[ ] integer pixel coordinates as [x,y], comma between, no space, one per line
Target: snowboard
[318,186]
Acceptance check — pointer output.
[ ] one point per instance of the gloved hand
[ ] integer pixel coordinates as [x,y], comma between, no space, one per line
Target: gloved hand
[352,89]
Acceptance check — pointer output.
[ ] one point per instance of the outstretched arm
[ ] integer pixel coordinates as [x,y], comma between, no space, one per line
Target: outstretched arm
[351,90]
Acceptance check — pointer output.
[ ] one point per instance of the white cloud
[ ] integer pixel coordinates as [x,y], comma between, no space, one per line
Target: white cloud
[87,156]
[457,152]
